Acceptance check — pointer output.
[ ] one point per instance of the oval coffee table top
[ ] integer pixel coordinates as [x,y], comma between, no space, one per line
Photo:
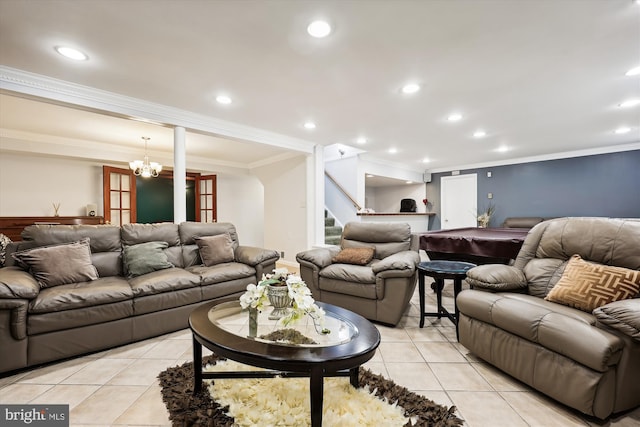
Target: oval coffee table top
[223,328]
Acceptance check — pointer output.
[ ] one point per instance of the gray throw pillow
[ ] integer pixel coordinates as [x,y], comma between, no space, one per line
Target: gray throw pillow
[59,264]
[145,258]
[215,249]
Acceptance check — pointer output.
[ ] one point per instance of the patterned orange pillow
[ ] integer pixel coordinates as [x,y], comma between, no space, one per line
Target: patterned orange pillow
[587,286]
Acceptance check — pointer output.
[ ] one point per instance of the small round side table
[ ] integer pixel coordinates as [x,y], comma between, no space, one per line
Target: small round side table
[441,270]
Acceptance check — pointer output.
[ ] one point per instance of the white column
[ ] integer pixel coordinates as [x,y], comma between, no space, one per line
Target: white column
[315,197]
[179,176]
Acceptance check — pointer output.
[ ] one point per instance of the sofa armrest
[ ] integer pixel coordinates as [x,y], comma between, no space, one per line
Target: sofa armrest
[623,316]
[18,317]
[253,256]
[320,257]
[17,283]
[497,277]
[405,260]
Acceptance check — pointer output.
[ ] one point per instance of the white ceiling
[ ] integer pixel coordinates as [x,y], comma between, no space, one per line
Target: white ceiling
[540,76]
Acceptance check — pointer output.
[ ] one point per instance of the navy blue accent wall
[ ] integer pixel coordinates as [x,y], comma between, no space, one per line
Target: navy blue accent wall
[602,185]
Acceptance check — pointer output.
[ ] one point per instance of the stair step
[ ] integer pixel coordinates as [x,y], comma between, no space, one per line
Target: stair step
[332,240]
[329,222]
[333,231]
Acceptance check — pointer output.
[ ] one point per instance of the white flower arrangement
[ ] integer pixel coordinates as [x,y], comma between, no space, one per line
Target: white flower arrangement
[302,302]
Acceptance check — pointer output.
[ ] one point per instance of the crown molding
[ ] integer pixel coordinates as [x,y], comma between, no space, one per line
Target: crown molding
[31,143]
[542,158]
[58,91]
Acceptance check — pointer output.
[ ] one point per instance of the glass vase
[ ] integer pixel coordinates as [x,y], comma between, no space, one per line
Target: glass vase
[253,322]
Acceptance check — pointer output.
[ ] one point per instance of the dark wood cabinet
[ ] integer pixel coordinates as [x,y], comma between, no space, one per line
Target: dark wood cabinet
[12,226]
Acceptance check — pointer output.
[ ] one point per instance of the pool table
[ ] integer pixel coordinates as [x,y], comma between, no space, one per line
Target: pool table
[475,245]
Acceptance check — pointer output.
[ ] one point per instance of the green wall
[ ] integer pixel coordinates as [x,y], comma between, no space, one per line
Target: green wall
[155,200]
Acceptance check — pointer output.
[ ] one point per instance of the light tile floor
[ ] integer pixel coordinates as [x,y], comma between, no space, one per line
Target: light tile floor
[119,386]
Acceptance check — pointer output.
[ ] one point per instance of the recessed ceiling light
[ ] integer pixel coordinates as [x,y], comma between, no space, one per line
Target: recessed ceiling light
[71,53]
[426,160]
[455,117]
[410,88]
[223,99]
[633,72]
[479,134]
[309,125]
[622,130]
[361,140]
[393,150]
[408,182]
[502,149]
[629,103]
[319,29]
[370,176]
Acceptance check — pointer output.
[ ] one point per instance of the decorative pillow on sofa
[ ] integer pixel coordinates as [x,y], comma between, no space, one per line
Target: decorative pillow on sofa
[4,242]
[357,256]
[587,286]
[145,258]
[59,264]
[215,249]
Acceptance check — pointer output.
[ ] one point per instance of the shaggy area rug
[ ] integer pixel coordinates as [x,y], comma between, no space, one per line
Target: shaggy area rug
[185,409]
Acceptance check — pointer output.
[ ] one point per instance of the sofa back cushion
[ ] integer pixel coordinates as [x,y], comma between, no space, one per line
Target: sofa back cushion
[601,240]
[387,238]
[189,231]
[551,244]
[104,241]
[134,234]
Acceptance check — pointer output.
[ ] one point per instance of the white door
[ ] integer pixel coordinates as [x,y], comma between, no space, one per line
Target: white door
[459,197]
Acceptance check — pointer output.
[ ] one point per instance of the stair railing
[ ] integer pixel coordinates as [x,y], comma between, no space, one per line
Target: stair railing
[343,191]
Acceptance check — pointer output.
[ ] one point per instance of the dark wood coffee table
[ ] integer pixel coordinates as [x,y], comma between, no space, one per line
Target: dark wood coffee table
[223,328]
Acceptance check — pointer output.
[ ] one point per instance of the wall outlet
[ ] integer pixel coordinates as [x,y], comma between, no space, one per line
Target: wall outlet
[488,174]
[489,195]
[282,254]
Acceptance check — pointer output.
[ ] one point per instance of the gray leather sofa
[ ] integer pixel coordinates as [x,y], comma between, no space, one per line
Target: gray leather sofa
[522,222]
[381,289]
[43,324]
[588,360]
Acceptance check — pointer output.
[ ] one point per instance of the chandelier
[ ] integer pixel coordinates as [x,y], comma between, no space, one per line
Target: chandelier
[145,168]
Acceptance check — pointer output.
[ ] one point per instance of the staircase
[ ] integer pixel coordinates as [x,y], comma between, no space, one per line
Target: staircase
[332,232]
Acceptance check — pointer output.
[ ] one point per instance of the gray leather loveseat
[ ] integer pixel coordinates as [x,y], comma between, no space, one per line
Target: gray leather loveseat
[551,319]
[121,285]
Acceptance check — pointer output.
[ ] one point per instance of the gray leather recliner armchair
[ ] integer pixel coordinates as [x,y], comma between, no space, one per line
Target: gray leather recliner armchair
[380,290]
[589,361]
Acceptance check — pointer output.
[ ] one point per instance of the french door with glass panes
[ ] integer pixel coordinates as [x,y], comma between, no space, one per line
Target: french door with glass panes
[118,195]
[206,205]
